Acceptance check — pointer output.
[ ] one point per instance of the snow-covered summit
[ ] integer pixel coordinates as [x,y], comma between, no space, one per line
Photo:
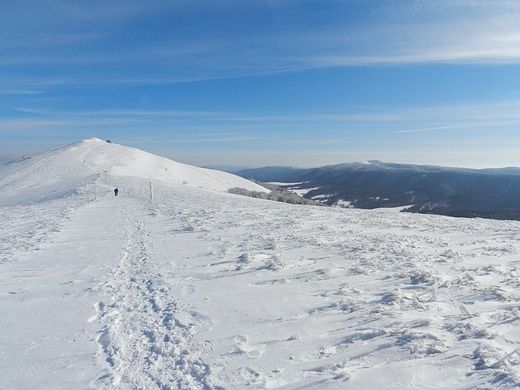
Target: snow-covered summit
[65,169]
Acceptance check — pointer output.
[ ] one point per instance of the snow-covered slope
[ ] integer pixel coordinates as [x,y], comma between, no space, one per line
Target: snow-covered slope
[205,290]
[67,169]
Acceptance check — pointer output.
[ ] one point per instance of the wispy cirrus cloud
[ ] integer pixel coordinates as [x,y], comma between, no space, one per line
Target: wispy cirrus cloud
[21,92]
[483,120]
[237,38]
[75,70]
[316,137]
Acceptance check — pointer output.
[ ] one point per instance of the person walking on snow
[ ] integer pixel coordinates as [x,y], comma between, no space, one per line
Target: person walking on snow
[116,191]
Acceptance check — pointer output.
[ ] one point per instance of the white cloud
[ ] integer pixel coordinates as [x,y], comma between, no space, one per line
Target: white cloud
[229,41]
[21,92]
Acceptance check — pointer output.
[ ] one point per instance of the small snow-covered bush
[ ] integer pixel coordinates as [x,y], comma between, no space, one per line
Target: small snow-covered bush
[277,194]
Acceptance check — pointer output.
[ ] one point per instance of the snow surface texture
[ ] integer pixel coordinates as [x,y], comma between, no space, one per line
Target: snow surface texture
[200,289]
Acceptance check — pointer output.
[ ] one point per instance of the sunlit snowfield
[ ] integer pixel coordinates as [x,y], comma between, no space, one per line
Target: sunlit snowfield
[194,288]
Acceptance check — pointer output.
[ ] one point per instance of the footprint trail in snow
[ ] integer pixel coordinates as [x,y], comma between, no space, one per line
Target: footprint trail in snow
[146,339]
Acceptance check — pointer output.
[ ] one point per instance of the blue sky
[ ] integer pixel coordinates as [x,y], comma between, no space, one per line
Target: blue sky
[273,82]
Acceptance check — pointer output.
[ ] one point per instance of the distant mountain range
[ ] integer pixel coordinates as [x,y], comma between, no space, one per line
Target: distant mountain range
[485,193]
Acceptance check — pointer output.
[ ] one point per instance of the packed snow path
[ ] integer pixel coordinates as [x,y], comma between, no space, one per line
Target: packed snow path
[146,338]
[204,290]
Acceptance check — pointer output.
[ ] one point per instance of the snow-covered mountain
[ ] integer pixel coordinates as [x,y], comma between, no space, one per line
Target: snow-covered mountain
[66,169]
[485,193]
[197,288]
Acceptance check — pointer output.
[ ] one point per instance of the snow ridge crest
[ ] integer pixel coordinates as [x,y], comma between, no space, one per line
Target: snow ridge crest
[64,170]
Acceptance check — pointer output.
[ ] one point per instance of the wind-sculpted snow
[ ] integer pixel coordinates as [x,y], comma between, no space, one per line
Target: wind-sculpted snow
[303,296]
[205,290]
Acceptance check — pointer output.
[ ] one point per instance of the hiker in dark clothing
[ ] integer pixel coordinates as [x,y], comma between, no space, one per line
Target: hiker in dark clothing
[116,191]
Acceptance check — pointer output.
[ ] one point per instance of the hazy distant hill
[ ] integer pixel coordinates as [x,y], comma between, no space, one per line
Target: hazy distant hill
[486,193]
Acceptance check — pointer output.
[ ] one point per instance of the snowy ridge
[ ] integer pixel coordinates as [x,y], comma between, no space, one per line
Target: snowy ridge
[67,170]
[200,289]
